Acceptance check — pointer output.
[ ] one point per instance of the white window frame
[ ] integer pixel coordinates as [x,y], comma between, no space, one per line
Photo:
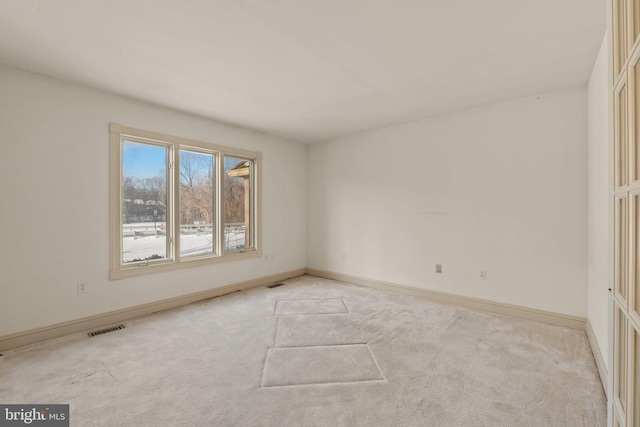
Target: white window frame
[119,270]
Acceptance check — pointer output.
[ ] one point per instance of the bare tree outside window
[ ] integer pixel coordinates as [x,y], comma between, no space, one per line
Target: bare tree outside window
[177,202]
[144,202]
[197,209]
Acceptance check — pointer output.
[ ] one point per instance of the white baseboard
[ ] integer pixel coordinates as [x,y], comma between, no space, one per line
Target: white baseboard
[558,319]
[597,355]
[31,336]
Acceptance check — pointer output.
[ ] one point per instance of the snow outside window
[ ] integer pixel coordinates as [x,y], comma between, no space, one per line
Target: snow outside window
[178,202]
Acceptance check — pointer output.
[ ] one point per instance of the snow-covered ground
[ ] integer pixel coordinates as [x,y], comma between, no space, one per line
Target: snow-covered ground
[147,245]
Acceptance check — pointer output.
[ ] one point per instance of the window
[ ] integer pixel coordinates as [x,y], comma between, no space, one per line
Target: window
[177,202]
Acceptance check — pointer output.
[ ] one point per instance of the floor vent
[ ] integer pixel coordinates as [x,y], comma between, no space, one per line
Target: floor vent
[275,285]
[104,331]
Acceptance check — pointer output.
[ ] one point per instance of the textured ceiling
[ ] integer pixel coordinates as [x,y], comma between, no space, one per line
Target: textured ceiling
[308,70]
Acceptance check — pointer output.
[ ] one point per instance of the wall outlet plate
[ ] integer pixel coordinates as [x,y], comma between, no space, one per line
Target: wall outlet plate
[438,268]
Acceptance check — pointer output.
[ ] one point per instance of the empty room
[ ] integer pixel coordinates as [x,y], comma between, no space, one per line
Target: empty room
[318,213]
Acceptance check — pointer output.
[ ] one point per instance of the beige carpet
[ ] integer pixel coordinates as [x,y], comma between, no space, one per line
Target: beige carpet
[315,352]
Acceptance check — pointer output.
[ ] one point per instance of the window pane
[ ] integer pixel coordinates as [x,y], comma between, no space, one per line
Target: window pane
[637,122]
[636,19]
[237,203]
[637,378]
[620,354]
[621,34]
[197,212]
[636,264]
[621,138]
[621,236]
[144,202]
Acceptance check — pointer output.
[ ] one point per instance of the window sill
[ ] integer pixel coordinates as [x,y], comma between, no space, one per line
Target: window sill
[135,270]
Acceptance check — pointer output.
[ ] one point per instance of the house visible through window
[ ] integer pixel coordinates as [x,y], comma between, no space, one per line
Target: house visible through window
[177,202]
[237,197]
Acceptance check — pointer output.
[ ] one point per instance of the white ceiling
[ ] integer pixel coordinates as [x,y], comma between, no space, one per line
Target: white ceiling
[308,70]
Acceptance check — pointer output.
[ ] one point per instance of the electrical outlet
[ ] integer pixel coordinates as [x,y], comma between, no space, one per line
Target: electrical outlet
[344,256]
[438,268]
[483,274]
[82,288]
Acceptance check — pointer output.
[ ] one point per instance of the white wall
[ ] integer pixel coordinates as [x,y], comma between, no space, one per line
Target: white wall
[598,198]
[54,211]
[502,188]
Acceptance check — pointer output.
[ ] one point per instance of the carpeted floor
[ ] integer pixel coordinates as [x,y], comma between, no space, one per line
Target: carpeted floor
[317,353]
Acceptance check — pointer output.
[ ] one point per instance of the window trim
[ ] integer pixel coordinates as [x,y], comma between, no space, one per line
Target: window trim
[118,133]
